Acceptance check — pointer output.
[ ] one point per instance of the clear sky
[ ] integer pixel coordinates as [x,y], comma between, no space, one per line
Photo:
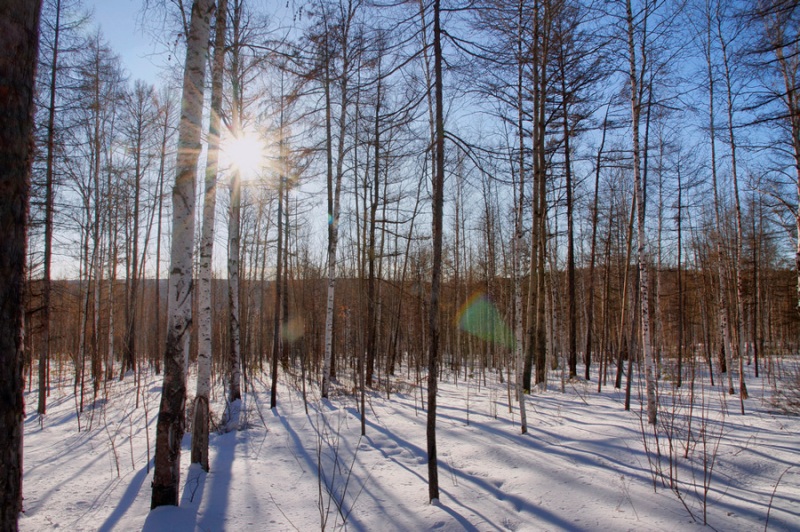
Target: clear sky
[120,23]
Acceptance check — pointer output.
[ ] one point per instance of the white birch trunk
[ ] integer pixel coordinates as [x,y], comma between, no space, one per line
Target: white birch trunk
[235,390]
[334,201]
[204,347]
[170,427]
[644,285]
[737,265]
[722,314]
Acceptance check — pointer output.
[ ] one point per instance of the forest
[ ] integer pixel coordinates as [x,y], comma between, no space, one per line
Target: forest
[351,207]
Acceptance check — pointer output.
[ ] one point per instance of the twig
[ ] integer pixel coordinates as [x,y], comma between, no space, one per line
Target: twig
[775,489]
[283,514]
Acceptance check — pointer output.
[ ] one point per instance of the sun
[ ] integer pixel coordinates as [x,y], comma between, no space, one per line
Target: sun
[246,153]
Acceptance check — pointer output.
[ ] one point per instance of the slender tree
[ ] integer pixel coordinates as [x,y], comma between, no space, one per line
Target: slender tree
[138,131]
[635,80]
[170,427]
[335,39]
[737,262]
[436,276]
[50,148]
[722,312]
[519,236]
[234,362]
[205,330]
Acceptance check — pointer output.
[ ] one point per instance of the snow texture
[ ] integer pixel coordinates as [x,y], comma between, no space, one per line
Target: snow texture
[584,464]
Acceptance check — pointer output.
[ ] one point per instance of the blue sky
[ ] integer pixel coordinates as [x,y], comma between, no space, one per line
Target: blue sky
[120,22]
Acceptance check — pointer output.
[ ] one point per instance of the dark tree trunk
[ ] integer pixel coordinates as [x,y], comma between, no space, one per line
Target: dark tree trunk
[19,41]
[593,254]
[438,206]
[48,220]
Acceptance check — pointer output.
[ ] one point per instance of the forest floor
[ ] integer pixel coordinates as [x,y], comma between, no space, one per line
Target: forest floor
[584,464]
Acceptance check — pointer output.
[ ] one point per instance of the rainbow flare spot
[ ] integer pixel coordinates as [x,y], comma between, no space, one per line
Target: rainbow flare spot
[479,317]
[293,329]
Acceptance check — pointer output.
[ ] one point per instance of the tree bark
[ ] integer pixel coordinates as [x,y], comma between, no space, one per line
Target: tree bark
[47,285]
[519,236]
[334,178]
[438,207]
[204,323]
[171,423]
[19,41]
[644,303]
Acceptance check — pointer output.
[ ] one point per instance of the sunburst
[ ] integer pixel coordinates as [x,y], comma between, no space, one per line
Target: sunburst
[246,153]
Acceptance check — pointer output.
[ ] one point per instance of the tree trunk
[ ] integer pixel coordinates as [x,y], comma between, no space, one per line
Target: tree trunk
[644,303]
[334,183]
[437,208]
[593,254]
[276,319]
[234,226]
[372,302]
[519,236]
[737,265]
[170,427]
[19,41]
[722,313]
[204,311]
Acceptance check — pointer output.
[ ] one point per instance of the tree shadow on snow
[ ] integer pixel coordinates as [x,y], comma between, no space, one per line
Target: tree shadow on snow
[218,481]
[304,456]
[125,503]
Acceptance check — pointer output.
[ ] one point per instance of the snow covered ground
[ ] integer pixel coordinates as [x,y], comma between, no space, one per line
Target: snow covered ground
[583,465]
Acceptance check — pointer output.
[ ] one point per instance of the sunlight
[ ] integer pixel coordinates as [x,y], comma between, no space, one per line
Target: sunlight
[245,153]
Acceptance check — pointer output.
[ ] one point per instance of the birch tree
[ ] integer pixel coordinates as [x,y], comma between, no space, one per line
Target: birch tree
[636,75]
[204,350]
[340,31]
[234,349]
[737,262]
[722,313]
[170,427]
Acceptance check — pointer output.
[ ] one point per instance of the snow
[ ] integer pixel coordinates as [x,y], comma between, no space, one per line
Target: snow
[582,465]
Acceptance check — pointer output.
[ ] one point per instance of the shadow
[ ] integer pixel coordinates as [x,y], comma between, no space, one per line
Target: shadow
[461,520]
[219,480]
[312,462]
[521,505]
[185,516]
[125,503]
[169,518]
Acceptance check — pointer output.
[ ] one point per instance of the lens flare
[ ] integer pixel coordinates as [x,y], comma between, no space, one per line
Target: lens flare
[480,318]
[246,152]
[293,330]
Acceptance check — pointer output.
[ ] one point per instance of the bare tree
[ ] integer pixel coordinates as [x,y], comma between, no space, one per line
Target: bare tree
[635,79]
[205,332]
[141,119]
[336,36]
[436,275]
[170,428]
